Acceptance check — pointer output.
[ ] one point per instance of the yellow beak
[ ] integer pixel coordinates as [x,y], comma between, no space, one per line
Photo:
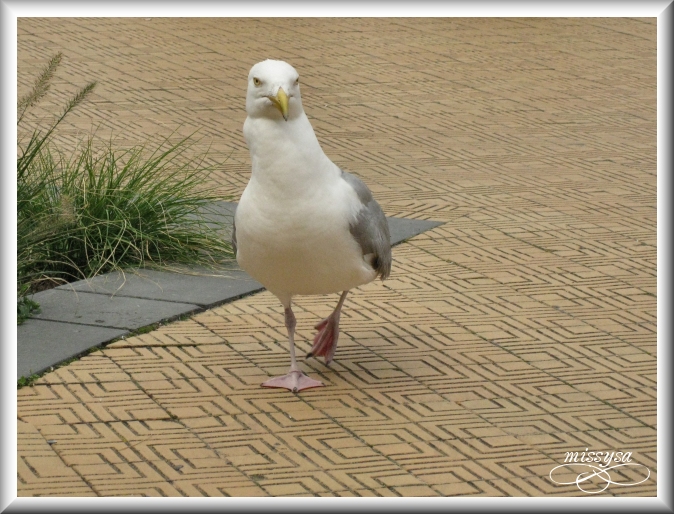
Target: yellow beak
[280,101]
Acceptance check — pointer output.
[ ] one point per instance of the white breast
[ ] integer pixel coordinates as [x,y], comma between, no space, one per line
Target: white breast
[300,247]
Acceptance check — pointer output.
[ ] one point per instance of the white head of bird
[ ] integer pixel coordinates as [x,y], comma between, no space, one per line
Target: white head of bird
[273,91]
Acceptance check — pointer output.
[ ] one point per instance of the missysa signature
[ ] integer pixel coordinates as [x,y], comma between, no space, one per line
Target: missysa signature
[592,470]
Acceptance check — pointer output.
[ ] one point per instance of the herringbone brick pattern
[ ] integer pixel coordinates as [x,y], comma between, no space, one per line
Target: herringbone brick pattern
[522,328]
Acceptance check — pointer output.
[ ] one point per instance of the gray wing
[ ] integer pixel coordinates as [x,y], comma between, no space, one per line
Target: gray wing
[370,228]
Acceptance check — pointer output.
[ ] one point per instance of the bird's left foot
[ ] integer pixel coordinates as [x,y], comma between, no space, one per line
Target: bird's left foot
[294,381]
[325,342]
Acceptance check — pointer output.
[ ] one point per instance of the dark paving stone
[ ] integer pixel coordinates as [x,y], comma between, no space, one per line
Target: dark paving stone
[201,287]
[41,344]
[402,228]
[104,310]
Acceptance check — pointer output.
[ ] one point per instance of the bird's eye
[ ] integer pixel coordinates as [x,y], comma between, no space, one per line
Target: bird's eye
[257,81]
[297,81]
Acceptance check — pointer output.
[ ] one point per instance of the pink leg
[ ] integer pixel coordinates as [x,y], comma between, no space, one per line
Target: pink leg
[295,380]
[325,342]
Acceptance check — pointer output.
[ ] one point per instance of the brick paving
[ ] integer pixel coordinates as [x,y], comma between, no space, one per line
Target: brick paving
[522,328]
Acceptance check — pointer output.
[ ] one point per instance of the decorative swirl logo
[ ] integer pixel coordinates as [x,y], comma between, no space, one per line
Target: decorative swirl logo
[601,473]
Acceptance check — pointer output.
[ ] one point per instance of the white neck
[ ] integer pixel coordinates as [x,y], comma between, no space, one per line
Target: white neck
[286,155]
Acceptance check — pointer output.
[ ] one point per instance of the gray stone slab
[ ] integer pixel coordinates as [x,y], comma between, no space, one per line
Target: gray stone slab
[201,286]
[41,344]
[221,212]
[104,310]
[402,228]
[219,216]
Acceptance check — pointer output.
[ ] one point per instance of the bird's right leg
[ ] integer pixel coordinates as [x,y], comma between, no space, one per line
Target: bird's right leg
[295,380]
[325,342]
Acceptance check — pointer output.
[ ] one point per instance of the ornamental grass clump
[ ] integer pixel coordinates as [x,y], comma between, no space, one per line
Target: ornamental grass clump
[97,209]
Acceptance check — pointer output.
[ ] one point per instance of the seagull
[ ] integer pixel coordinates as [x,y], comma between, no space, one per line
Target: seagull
[303,226]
